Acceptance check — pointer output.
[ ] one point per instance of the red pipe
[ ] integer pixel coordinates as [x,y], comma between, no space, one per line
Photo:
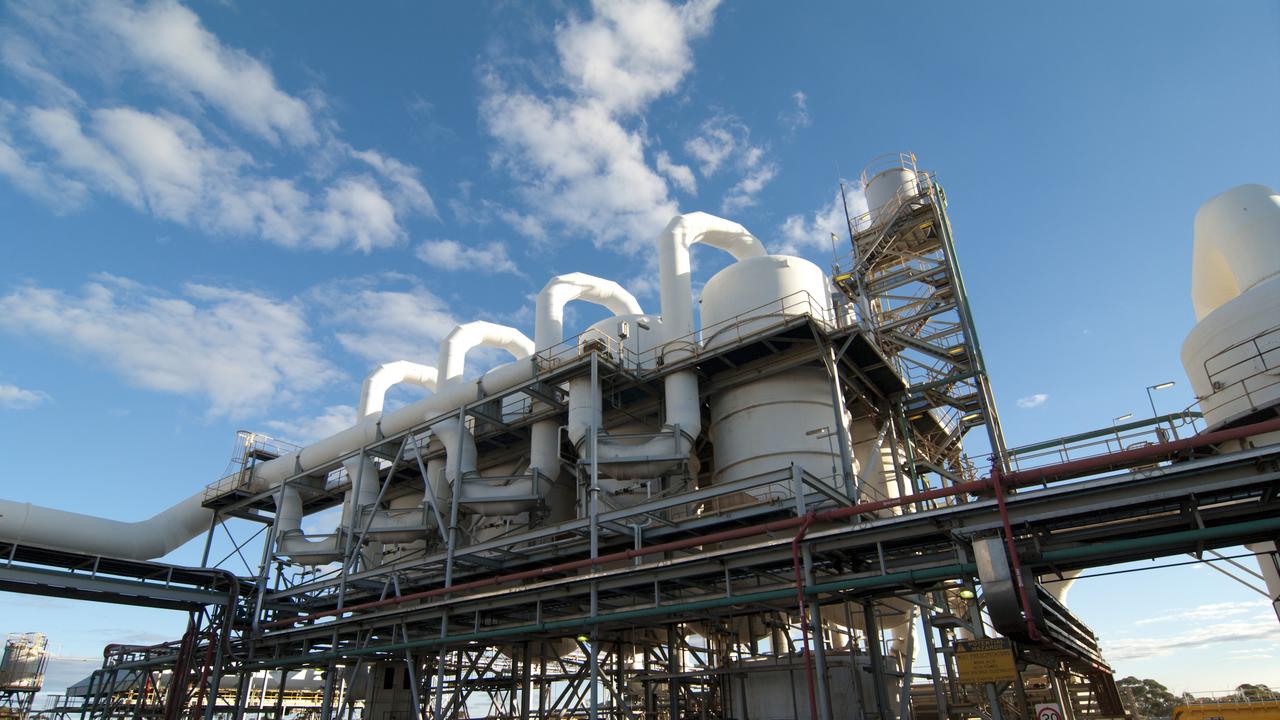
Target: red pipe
[804,617]
[1074,468]
[1032,631]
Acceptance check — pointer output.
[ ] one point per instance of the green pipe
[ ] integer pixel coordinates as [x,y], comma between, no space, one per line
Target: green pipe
[1152,542]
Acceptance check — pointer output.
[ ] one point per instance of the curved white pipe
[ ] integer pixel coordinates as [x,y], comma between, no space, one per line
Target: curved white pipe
[548,332]
[290,541]
[374,389]
[154,537]
[673,262]
[466,337]
[680,389]
[563,289]
[459,442]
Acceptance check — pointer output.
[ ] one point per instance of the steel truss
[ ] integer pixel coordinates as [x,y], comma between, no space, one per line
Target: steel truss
[685,600]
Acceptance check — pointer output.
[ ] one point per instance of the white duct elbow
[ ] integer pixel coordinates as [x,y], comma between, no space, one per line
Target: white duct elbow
[148,539]
[290,540]
[466,337]
[682,233]
[374,390]
[564,289]
[489,496]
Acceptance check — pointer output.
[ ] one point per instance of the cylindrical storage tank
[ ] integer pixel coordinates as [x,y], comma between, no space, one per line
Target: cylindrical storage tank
[636,336]
[887,190]
[1232,355]
[767,425]
[753,294]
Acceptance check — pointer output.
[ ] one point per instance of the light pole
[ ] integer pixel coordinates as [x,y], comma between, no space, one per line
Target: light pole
[1152,400]
[1115,420]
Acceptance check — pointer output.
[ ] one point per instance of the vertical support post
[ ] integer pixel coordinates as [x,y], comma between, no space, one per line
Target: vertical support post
[673,670]
[876,653]
[939,693]
[525,679]
[841,429]
[594,498]
[819,641]
[1021,689]
[284,679]
[904,693]
[326,697]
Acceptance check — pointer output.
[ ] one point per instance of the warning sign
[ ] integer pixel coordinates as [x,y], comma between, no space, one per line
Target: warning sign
[1048,711]
[984,661]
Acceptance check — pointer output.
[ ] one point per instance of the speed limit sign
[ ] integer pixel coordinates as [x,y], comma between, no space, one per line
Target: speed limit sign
[1048,711]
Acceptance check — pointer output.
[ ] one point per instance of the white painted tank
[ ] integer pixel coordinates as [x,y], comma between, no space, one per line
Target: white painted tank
[22,666]
[752,294]
[768,424]
[887,190]
[1232,355]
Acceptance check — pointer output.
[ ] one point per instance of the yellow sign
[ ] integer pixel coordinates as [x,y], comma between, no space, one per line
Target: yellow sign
[984,661]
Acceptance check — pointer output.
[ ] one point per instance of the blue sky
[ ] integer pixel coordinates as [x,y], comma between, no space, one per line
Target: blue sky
[220,216]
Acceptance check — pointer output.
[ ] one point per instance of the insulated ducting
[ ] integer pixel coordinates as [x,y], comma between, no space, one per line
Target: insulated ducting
[154,537]
[493,496]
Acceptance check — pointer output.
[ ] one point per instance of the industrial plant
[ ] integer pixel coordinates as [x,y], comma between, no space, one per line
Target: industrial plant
[779,498]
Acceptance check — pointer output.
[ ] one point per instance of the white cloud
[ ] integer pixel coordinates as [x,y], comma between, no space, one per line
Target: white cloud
[13,397]
[34,177]
[307,430]
[802,233]
[1032,401]
[1198,636]
[681,175]
[579,158]
[23,59]
[168,42]
[173,161]
[1210,611]
[380,324]
[489,259]
[241,350]
[724,142]
[164,165]
[743,194]
[631,51]
[798,116]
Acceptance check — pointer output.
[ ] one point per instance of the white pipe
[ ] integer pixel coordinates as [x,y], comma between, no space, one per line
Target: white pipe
[290,540]
[564,289]
[674,267]
[464,338]
[548,332]
[174,527]
[73,532]
[459,442]
[374,389]
[680,389]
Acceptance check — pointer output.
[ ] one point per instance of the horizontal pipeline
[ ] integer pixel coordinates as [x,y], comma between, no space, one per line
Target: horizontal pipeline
[1061,471]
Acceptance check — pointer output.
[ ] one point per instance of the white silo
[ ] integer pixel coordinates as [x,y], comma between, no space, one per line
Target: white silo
[1232,355]
[765,425]
[886,190]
